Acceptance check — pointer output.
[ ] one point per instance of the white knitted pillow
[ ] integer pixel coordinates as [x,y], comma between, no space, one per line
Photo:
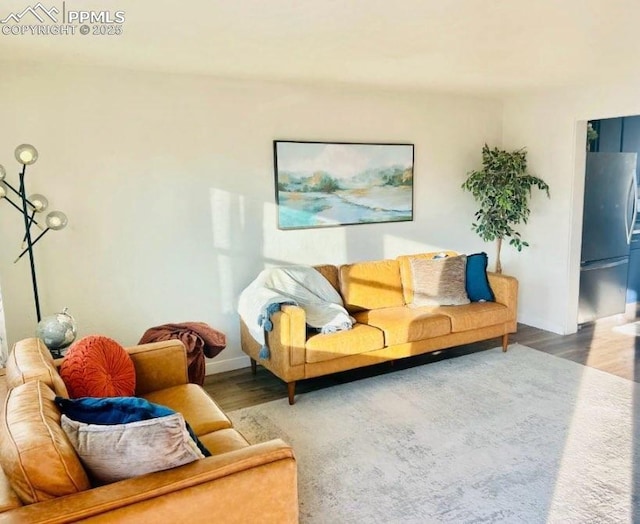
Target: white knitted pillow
[439,281]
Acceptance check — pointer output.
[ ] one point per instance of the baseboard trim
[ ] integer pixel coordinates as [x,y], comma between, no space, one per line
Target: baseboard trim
[540,323]
[212,368]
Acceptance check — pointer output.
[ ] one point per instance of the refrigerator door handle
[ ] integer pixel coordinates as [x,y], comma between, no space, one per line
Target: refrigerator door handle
[633,187]
[635,205]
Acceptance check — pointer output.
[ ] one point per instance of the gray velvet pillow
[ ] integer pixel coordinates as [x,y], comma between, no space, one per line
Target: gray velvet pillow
[119,451]
[439,281]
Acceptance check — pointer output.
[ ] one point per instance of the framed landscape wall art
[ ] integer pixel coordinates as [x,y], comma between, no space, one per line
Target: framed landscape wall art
[323,184]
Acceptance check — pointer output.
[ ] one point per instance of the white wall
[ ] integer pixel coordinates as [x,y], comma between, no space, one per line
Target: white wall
[169,188]
[4,348]
[552,124]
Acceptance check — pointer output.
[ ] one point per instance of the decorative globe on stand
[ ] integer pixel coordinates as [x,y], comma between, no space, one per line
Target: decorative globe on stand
[57,331]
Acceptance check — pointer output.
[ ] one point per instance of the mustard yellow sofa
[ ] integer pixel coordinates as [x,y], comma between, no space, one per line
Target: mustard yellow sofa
[376,294]
[43,480]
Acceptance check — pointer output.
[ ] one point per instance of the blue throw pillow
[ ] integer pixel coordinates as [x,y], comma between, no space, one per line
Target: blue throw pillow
[477,283]
[117,410]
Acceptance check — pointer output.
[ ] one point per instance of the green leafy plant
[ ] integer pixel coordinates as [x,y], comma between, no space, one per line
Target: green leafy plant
[502,188]
[592,135]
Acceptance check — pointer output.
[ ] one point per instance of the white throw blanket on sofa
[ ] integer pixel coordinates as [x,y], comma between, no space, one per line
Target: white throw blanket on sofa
[298,285]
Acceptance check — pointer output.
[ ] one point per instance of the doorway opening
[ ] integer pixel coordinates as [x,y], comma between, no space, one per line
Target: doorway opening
[610,253]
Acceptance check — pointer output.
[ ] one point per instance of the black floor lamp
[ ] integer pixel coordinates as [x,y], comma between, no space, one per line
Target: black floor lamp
[29,207]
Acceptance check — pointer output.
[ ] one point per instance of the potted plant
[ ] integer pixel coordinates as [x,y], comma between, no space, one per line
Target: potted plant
[592,135]
[502,188]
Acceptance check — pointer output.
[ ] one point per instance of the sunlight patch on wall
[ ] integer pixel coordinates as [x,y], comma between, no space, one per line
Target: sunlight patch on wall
[221,210]
[228,228]
[395,245]
[228,297]
[270,214]
[4,349]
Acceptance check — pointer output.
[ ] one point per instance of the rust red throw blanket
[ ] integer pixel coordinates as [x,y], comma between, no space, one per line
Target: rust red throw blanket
[199,338]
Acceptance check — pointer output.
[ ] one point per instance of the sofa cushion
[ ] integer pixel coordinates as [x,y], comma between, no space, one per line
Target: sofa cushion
[121,451]
[475,315]
[31,360]
[477,282]
[371,285]
[439,282]
[403,324]
[359,339]
[36,454]
[224,440]
[404,263]
[97,366]
[198,408]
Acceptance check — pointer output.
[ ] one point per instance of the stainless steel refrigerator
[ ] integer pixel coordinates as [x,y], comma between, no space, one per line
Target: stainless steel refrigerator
[610,208]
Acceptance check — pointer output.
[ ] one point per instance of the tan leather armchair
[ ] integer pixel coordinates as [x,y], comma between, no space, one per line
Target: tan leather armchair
[240,482]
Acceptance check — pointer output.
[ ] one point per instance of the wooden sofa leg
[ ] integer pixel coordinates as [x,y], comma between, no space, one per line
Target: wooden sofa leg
[291,389]
[254,367]
[505,342]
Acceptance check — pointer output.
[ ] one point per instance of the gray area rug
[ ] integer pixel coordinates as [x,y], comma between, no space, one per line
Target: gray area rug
[521,436]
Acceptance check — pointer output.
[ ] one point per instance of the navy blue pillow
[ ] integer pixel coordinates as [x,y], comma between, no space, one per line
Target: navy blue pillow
[117,410]
[477,283]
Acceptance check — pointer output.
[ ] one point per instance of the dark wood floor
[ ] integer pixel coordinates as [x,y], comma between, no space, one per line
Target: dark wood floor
[596,345]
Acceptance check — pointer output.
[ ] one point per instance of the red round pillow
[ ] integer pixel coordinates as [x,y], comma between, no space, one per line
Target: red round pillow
[98,366]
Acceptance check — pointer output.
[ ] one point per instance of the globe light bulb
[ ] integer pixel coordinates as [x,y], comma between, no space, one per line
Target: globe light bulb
[26,154]
[56,220]
[3,190]
[39,202]
[3,173]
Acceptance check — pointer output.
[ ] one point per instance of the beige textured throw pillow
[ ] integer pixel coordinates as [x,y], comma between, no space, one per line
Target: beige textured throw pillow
[119,451]
[439,281]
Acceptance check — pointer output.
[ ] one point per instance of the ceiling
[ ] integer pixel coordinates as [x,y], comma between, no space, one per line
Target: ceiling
[485,47]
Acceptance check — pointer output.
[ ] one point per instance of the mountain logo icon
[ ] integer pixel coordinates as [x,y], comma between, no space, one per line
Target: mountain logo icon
[38,11]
